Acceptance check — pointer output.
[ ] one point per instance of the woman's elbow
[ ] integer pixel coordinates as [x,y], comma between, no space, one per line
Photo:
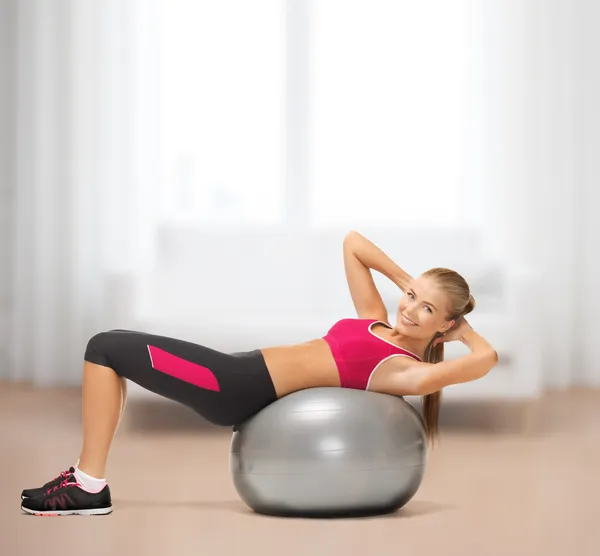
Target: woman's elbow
[488,361]
[432,381]
[350,236]
[491,360]
[496,358]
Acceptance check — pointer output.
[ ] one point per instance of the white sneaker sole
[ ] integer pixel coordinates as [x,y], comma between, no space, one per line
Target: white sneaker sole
[54,513]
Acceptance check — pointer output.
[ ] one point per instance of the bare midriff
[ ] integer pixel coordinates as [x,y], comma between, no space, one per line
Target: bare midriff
[299,366]
[311,364]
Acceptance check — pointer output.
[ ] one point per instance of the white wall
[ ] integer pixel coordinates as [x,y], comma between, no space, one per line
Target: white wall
[283,274]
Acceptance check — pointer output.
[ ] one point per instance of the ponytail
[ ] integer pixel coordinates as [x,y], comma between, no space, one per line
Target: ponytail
[432,402]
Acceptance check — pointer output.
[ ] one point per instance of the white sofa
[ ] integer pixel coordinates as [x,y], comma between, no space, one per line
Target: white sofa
[246,288]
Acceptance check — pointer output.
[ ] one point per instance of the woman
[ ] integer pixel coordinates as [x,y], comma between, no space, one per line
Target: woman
[365,353]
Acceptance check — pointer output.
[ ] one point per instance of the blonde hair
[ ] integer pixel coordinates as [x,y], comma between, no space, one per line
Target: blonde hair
[461,303]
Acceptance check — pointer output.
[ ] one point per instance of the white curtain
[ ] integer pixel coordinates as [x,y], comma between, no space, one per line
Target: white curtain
[7,100]
[529,176]
[541,167]
[89,180]
[586,133]
[82,177]
[394,113]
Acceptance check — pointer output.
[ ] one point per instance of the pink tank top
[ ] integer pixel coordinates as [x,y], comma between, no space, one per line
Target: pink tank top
[358,351]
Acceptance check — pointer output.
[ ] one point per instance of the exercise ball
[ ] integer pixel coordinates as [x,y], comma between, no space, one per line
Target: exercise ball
[329,452]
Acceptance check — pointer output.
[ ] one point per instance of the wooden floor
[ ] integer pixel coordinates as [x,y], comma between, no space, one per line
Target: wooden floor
[495,486]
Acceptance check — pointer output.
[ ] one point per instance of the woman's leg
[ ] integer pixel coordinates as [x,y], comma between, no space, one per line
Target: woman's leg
[223,388]
[103,405]
[134,356]
[123,398]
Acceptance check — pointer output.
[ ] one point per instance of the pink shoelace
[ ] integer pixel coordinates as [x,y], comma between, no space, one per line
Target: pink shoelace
[63,475]
[63,484]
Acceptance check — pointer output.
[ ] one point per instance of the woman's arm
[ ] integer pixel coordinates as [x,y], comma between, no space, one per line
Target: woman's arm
[414,378]
[360,256]
[475,365]
[372,257]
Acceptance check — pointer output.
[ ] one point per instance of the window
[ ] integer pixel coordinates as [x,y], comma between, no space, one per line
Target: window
[381,101]
[222,93]
[390,101]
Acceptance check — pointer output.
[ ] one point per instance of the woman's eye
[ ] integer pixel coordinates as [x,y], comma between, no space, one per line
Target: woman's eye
[428,308]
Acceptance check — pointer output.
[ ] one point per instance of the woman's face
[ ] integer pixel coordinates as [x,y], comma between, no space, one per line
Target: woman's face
[423,309]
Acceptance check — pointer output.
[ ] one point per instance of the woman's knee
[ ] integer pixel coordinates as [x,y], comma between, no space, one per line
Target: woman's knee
[98,348]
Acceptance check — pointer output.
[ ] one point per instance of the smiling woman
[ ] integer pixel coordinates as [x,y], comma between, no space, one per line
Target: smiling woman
[433,303]
[430,313]
[364,353]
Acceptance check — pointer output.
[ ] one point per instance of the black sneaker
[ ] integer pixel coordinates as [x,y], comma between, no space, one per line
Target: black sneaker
[40,491]
[69,498]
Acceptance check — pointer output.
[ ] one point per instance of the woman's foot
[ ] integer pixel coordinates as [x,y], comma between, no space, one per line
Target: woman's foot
[69,498]
[40,491]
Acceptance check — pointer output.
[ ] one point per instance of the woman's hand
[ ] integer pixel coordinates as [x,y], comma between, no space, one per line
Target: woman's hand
[454,334]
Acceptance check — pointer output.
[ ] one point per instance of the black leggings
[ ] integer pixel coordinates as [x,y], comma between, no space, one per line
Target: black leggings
[225,389]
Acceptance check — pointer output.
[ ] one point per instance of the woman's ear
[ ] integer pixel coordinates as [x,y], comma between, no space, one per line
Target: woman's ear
[448,326]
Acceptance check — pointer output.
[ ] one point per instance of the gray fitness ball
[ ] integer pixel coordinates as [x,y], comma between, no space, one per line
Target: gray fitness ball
[329,452]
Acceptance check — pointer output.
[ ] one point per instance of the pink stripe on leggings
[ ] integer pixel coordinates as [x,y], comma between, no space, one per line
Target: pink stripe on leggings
[182,369]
